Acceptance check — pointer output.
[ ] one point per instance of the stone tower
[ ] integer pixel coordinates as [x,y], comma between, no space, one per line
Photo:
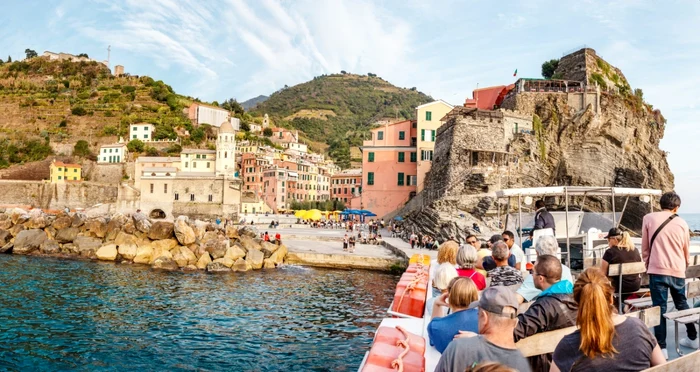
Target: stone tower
[226,150]
[266,122]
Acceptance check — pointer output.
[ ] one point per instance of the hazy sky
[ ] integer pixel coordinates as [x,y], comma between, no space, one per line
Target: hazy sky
[217,49]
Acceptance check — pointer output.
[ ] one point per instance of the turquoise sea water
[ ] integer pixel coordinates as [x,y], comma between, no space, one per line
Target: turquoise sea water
[78,315]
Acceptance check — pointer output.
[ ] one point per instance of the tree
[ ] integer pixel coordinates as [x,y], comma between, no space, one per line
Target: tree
[30,53]
[197,135]
[83,55]
[82,149]
[79,111]
[135,145]
[343,72]
[232,105]
[245,126]
[267,132]
[9,59]
[549,67]
[215,103]
[152,151]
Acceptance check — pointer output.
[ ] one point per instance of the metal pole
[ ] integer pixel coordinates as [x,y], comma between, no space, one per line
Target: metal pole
[568,247]
[520,222]
[507,212]
[624,206]
[612,190]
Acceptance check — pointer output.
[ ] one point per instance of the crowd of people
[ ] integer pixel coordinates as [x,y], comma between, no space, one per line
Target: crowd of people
[476,316]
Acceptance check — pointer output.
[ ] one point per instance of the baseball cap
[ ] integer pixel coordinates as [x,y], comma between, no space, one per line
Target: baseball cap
[495,299]
[613,232]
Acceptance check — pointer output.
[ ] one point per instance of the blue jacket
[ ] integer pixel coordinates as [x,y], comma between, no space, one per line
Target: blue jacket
[560,287]
[442,330]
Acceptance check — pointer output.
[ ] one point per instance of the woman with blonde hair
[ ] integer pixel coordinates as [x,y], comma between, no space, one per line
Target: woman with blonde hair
[448,252]
[621,250]
[466,263]
[461,292]
[441,281]
[605,341]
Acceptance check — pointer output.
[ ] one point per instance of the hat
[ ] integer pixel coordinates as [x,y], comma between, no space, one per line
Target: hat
[613,232]
[494,299]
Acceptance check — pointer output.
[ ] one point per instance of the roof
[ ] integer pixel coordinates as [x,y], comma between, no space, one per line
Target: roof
[577,191]
[114,145]
[349,172]
[209,106]
[69,165]
[156,159]
[226,127]
[153,125]
[434,102]
[197,151]
[392,124]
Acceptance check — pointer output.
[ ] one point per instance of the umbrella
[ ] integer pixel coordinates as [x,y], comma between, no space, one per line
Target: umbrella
[299,213]
[313,215]
[398,218]
[353,211]
[345,213]
[370,214]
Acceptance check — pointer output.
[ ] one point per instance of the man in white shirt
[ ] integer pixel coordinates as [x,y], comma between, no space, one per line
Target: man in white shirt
[545,245]
[515,250]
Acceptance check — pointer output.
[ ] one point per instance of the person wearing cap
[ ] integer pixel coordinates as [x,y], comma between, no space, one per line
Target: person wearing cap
[487,263]
[553,309]
[498,307]
[621,250]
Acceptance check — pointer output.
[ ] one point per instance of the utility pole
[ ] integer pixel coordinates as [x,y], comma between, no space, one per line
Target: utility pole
[109,52]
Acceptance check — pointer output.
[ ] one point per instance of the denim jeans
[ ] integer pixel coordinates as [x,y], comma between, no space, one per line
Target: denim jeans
[659,285]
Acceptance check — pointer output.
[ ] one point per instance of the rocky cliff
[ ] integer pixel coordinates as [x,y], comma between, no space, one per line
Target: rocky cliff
[602,135]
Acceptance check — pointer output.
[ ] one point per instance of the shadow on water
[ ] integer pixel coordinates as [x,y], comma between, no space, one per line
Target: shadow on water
[73,315]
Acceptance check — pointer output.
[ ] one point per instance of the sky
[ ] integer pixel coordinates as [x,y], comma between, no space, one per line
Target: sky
[220,49]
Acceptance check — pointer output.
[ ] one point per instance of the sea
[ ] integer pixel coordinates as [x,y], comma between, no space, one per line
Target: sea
[693,220]
[89,316]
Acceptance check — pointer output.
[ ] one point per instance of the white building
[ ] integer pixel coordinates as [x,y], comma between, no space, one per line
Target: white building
[198,161]
[205,114]
[255,128]
[296,148]
[114,153]
[226,150]
[141,131]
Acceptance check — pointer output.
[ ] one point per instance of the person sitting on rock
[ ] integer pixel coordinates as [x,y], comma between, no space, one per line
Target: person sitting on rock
[278,238]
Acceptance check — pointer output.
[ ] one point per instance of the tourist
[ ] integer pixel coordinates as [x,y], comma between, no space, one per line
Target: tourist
[266,237]
[476,228]
[543,219]
[621,250]
[218,221]
[553,309]
[497,310]
[278,238]
[444,274]
[528,242]
[509,239]
[604,341]
[413,240]
[466,261]
[665,249]
[461,292]
[351,241]
[546,245]
[481,252]
[487,263]
[503,274]
[448,253]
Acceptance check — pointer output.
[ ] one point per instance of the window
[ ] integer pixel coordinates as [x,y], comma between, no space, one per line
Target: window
[187,164]
[345,190]
[75,170]
[177,196]
[165,188]
[59,178]
[380,135]
[145,136]
[370,178]
[428,116]
[402,135]
[151,188]
[191,197]
[134,136]
[194,164]
[208,165]
[370,157]
[422,134]
[135,128]
[59,169]
[401,179]
[145,128]
[75,178]
[211,197]
[411,180]
[413,157]
[197,156]
[426,155]
[204,156]
[402,157]
[432,135]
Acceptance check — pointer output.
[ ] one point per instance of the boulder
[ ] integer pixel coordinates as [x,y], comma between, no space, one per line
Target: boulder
[129,227]
[78,219]
[97,226]
[141,222]
[87,246]
[179,258]
[165,263]
[209,236]
[144,254]
[16,229]
[203,261]
[27,241]
[18,216]
[216,248]
[241,265]
[268,264]
[216,267]
[255,258]
[6,223]
[279,255]
[50,247]
[234,253]
[161,230]
[190,268]
[113,228]
[66,235]
[69,248]
[200,227]
[128,250]
[165,244]
[62,222]
[37,220]
[107,252]
[249,244]
[124,238]
[5,237]
[7,248]
[160,251]
[51,232]
[189,255]
[248,231]
[183,232]
[226,261]
[268,248]
[231,232]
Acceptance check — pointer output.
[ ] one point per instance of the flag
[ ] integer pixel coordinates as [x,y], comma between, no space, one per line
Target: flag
[516,72]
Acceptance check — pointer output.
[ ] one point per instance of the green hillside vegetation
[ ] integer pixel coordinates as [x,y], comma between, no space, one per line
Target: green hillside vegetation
[43,102]
[357,101]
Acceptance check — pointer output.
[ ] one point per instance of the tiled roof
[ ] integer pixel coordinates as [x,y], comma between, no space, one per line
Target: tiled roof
[69,165]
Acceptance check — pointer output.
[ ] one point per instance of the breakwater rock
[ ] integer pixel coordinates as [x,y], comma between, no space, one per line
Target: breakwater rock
[179,245]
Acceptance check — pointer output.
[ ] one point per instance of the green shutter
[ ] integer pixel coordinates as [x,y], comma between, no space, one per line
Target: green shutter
[370,157]
[432,135]
[422,134]
[408,180]
[413,157]
[400,179]
[428,116]
[380,135]
[402,135]
[402,157]
[370,178]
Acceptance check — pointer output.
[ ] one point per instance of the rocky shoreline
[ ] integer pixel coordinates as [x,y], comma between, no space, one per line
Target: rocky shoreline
[179,245]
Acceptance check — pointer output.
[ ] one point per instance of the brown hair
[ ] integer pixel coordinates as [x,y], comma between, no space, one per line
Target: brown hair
[593,294]
[448,252]
[462,291]
[549,267]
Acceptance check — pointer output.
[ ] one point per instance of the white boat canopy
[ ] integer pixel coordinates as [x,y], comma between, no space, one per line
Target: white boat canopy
[576,191]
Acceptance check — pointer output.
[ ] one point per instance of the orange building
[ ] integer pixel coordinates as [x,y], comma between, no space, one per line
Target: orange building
[346,185]
[489,97]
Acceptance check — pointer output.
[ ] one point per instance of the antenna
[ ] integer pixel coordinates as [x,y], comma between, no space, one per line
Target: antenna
[109,51]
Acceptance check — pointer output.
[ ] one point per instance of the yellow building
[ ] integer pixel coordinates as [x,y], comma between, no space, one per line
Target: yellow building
[427,123]
[62,172]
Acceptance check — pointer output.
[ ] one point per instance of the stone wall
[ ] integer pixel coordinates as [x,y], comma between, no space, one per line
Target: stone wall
[56,196]
[105,173]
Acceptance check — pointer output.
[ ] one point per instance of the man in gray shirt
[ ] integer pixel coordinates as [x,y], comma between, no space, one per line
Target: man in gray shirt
[498,308]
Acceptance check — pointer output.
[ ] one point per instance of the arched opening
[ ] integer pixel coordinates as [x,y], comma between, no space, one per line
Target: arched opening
[225,154]
[157,214]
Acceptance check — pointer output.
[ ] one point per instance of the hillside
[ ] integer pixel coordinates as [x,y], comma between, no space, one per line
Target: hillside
[251,103]
[339,109]
[47,106]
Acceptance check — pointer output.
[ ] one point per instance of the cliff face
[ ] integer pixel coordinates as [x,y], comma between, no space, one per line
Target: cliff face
[594,137]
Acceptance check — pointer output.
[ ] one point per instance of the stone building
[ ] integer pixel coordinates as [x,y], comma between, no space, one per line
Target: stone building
[118,70]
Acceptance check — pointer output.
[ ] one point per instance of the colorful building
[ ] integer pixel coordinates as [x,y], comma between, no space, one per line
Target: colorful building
[389,167]
[427,123]
[346,185]
[114,153]
[61,172]
[488,98]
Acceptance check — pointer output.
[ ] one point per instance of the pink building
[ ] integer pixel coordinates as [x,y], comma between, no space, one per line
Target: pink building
[282,135]
[346,185]
[389,167]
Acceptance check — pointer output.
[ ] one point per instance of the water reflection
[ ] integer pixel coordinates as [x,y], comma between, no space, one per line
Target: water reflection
[58,314]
